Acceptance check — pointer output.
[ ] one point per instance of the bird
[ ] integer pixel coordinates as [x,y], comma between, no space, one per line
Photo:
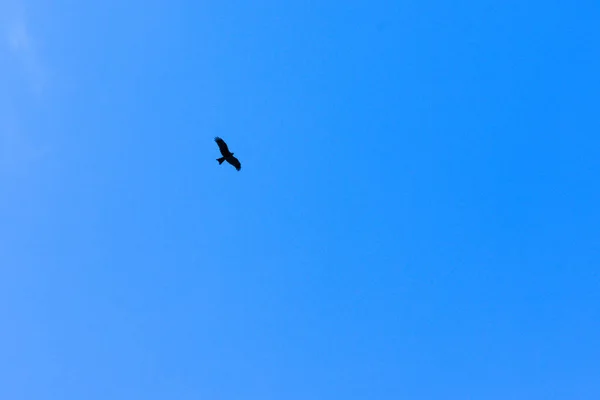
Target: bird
[227,155]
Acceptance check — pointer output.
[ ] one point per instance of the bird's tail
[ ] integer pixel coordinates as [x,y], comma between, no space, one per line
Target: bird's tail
[220,160]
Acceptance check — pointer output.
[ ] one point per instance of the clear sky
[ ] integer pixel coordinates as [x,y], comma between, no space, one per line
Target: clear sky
[417,214]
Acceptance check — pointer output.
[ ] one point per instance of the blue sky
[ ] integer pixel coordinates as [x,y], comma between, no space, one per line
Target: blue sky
[416,216]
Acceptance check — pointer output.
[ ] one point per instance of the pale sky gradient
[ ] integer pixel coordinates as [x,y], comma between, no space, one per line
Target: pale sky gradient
[416,217]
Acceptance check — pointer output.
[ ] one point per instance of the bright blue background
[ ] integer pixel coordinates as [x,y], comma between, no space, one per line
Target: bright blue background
[416,216]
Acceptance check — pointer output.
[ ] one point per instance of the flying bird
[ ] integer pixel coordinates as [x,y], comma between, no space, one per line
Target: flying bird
[227,155]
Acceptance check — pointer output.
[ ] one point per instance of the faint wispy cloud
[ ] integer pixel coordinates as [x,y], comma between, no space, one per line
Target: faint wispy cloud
[21,77]
[21,45]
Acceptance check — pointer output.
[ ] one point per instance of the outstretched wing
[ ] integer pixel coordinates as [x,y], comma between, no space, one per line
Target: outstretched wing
[222,146]
[235,162]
